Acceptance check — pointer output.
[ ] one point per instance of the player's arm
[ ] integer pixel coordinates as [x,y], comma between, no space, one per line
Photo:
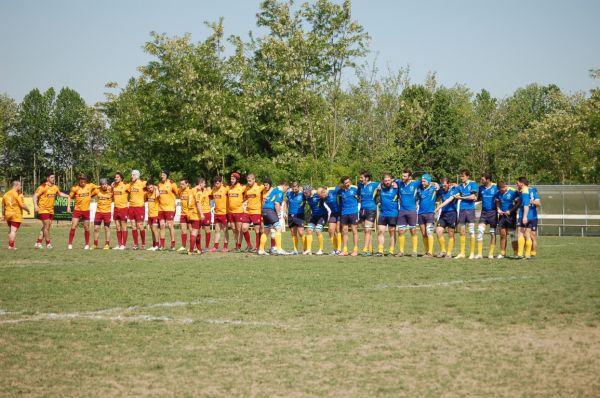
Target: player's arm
[62,194]
[72,194]
[445,202]
[22,205]
[36,197]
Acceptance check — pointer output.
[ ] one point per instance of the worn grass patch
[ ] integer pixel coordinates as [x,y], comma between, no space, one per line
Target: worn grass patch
[154,324]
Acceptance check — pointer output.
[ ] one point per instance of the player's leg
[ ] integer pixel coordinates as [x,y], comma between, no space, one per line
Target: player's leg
[124,234]
[155,233]
[534,242]
[217,236]
[345,228]
[184,235]
[332,231]
[244,228]
[72,230]
[528,242]
[429,234]
[47,225]
[462,229]
[451,233]
[308,239]
[171,227]
[86,234]
[503,242]
[423,229]
[480,235]
[355,237]
[12,234]
[96,233]
[392,233]
[107,235]
[380,239]
[439,232]
[163,233]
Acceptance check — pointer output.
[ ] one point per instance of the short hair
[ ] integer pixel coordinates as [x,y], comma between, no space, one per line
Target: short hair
[284,182]
[15,182]
[523,180]
[365,174]
[217,179]
[118,173]
[49,174]
[165,171]
[444,180]
[386,175]
[250,176]
[200,180]
[184,179]
[501,184]
[407,171]
[295,184]
[465,172]
[344,178]
[487,176]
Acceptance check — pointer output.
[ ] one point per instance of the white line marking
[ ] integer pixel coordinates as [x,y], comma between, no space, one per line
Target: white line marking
[452,283]
[238,322]
[94,316]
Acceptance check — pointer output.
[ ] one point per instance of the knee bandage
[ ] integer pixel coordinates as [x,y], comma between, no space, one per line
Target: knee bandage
[412,227]
[472,229]
[513,236]
[429,229]
[480,232]
[273,234]
[492,231]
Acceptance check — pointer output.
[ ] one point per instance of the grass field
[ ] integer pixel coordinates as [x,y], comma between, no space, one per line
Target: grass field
[162,324]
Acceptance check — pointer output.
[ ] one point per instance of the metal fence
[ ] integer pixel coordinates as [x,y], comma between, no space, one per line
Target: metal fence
[569,210]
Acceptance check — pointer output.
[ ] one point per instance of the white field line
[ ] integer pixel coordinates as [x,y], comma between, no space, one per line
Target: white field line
[239,322]
[453,283]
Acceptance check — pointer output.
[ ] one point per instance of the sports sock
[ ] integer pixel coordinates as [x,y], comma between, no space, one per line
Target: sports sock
[119,237]
[134,233]
[472,245]
[199,241]
[192,242]
[355,250]
[442,243]
[304,244]
[184,240]
[295,243]
[491,251]
[415,243]
[247,238]
[124,237]
[143,236]
[379,248]
[521,246]
[172,244]
[463,244]
[257,238]
[207,239]
[95,242]
[430,244]
[333,240]
[11,243]
[162,243]
[339,241]
[71,235]
[533,253]
[39,241]
[426,244]
[273,244]
[528,244]
[401,240]
[480,247]
[309,241]
[392,249]
[321,243]
[278,240]
[345,250]
[263,242]
[450,245]
[86,236]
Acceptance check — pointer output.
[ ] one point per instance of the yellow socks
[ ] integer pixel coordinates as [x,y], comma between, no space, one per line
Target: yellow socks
[521,246]
[492,248]
[450,245]
[430,244]
[379,248]
[401,240]
[309,240]
[415,243]
[304,241]
[295,242]
[463,244]
[426,245]
[480,247]
[339,241]
[528,244]
[333,240]
[442,243]
[321,243]
[263,242]
[278,240]
[472,246]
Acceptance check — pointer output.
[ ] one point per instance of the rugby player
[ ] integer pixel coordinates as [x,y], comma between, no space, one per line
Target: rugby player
[426,196]
[153,220]
[332,203]
[167,193]
[137,195]
[489,215]
[194,218]
[447,216]
[271,211]
[253,199]
[296,201]
[82,193]
[185,193]
[121,210]
[219,196]
[235,212]
[407,216]
[387,196]
[368,209]
[349,204]
[104,198]
[467,194]
[505,207]
[13,205]
[202,193]
[535,202]
[524,220]
[43,203]
[318,218]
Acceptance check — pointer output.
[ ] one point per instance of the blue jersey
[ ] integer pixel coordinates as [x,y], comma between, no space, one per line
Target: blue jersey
[465,190]
[275,195]
[388,201]
[317,208]
[487,196]
[408,194]
[533,195]
[366,192]
[333,199]
[296,202]
[525,200]
[349,200]
[426,197]
[507,199]
[443,195]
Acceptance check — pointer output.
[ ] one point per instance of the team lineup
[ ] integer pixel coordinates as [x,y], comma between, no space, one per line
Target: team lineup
[392,208]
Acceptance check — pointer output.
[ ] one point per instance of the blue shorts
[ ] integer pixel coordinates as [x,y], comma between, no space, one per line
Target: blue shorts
[466,216]
[334,218]
[407,218]
[531,224]
[387,221]
[368,215]
[296,220]
[426,218]
[447,220]
[489,217]
[270,218]
[349,219]
[508,222]
[317,222]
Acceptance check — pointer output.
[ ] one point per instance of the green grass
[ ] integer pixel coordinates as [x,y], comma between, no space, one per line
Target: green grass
[298,326]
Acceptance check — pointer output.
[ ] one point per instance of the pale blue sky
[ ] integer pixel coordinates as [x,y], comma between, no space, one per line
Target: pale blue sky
[497,45]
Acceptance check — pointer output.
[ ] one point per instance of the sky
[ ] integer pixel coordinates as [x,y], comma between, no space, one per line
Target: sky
[496,45]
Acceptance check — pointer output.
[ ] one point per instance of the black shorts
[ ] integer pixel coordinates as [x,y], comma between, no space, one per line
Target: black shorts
[368,215]
[407,218]
[296,220]
[318,220]
[349,219]
[447,220]
[531,224]
[508,222]
[387,221]
[466,216]
[489,217]
[270,218]
[334,218]
[426,218]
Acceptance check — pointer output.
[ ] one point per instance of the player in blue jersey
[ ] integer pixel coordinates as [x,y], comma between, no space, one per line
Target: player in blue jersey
[318,218]
[447,216]
[331,198]
[349,202]
[535,203]
[426,196]
[467,195]
[524,219]
[296,201]
[368,209]
[407,216]
[272,210]
[507,216]
[387,196]
[489,215]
